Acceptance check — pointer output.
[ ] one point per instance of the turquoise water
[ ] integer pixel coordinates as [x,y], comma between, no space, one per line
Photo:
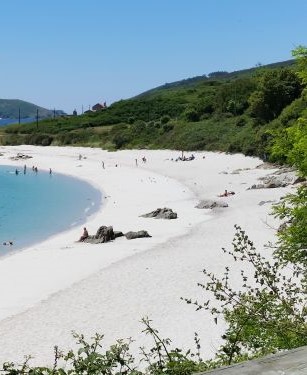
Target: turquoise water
[34,206]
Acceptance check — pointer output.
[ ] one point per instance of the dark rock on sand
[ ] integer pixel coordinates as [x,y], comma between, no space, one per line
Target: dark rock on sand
[140,234]
[209,204]
[162,213]
[118,234]
[103,234]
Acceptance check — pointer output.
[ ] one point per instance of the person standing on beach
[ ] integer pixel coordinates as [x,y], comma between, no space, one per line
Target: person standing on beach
[24,169]
[102,163]
[136,162]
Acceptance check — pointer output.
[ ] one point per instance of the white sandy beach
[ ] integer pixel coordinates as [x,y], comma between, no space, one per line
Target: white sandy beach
[59,286]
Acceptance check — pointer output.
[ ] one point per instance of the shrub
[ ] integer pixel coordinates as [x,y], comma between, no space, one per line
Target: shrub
[241,121]
[165,119]
[120,140]
[167,128]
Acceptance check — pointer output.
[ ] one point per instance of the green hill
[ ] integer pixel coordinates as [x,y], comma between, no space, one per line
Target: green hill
[9,109]
[233,112]
[188,82]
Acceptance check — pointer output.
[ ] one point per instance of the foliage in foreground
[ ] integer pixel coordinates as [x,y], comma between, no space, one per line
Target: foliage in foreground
[91,358]
[267,313]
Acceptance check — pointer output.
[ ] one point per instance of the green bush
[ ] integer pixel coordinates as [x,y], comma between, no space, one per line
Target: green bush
[39,139]
[120,140]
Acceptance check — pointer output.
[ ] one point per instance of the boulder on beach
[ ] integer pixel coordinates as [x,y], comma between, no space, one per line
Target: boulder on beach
[210,203]
[140,234]
[103,234]
[162,213]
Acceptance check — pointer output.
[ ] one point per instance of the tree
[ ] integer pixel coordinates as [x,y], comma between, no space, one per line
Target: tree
[290,145]
[292,234]
[300,54]
[276,89]
[233,97]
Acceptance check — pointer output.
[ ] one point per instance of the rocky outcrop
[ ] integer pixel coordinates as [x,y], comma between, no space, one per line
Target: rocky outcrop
[162,213]
[139,234]
[103,234]
[209,204]
[281,178]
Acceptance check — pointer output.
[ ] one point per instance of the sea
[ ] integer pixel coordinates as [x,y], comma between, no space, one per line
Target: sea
[9,121]
[37,205]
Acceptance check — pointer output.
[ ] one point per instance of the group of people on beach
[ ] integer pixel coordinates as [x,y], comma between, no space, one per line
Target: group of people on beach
[34,169]
[185,158]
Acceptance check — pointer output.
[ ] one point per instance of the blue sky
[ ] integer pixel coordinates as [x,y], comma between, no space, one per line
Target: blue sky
[67,53]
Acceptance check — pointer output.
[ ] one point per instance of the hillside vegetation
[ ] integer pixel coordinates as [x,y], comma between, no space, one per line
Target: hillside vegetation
[233,112]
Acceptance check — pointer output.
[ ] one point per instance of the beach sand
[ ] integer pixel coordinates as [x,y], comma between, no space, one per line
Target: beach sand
[59,286]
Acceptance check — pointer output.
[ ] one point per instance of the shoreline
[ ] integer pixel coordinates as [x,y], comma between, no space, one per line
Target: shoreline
[94,195]
[66,241]
[109,287]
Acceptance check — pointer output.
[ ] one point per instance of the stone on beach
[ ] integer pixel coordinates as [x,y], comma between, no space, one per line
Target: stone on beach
[140,234]
[162,213]
[209,204]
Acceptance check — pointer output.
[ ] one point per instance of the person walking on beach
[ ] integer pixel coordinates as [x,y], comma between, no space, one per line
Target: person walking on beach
[24,169]
[50,171]
[102,163]
[136,162]
[84,235]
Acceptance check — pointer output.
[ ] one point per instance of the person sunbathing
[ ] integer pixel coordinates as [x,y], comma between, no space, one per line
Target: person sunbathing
[226,193]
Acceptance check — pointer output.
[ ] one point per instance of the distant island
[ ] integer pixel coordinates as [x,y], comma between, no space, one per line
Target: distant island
[11,110]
